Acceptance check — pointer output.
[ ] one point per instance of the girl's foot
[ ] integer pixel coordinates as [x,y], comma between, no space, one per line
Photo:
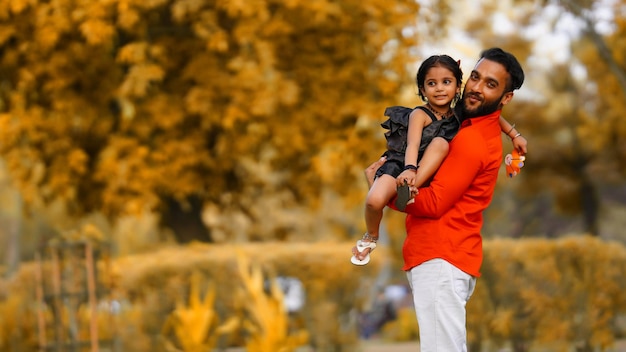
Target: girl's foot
[366,242]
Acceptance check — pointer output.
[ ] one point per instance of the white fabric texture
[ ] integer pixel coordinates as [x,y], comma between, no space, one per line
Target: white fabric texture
[440,293]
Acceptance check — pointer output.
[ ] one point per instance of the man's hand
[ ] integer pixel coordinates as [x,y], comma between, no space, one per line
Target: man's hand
[520,144]
[370,171]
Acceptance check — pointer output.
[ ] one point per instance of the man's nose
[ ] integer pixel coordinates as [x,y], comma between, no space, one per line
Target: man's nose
[477,87]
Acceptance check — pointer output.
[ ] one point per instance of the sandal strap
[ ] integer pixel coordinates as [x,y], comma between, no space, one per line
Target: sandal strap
[369,238]
[360,245]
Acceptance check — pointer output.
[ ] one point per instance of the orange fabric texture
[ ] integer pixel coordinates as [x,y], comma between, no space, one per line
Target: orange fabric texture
[446,218]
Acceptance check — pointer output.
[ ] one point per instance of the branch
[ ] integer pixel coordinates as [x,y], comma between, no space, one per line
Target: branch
[603,49]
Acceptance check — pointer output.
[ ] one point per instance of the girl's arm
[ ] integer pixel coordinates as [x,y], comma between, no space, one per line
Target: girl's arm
[519,142]
[414,136]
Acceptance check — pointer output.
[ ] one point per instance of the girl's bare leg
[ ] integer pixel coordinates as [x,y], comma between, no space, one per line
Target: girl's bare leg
[382,191]
[434,154]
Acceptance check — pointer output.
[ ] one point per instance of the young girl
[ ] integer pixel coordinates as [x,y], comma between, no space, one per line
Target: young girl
[417,142]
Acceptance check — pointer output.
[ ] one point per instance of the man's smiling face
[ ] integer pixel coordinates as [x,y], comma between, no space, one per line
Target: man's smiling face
[486,89]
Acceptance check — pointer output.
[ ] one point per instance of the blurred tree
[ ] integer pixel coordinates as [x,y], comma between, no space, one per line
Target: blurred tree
[605,49]
[238,107]
[606,71]
[562,159]
[579,129]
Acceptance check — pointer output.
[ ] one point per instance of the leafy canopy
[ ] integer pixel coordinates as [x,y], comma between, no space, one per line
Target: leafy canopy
[122,105]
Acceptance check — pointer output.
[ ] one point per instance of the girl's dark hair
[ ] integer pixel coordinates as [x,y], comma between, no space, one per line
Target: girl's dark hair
[444,61]
[511,65]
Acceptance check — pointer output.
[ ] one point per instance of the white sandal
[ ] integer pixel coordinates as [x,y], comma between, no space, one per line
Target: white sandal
[366,242]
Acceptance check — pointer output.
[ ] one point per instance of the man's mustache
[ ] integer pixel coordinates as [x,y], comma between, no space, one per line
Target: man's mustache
[474,95]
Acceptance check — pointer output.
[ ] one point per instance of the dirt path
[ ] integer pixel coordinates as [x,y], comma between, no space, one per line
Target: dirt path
[385,346]
[382,346]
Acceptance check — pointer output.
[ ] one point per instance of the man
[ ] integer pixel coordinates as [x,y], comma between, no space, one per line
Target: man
[443,247]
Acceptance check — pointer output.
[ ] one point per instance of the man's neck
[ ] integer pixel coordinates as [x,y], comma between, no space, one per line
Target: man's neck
[459,113]
[495,114]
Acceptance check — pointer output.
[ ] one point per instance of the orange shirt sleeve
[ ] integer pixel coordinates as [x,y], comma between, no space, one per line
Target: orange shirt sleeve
[454,177]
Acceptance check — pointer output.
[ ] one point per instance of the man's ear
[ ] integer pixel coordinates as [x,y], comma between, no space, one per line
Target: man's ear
[506,98]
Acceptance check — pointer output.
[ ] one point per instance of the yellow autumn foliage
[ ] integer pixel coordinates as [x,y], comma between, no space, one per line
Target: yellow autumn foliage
[268,322]
[157,104]
[195,322]
[556,293]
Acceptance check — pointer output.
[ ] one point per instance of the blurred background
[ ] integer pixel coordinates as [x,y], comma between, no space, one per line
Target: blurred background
[171,169]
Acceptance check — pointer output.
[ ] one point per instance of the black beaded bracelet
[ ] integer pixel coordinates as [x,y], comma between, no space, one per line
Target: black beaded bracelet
[410,167]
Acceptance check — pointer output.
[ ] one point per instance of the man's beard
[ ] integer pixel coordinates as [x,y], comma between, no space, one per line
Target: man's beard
[485,108]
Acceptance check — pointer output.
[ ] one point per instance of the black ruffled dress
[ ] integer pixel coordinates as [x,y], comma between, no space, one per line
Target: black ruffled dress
[397,126]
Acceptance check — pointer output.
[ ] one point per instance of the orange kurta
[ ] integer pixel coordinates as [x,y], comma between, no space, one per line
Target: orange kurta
[447,216]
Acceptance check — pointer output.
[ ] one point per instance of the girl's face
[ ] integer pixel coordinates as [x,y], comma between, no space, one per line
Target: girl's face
[440,86]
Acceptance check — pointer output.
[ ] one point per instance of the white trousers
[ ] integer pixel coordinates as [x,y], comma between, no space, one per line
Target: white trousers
[440,292]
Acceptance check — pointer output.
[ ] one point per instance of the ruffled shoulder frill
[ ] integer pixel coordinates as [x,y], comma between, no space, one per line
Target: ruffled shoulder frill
[397,126]
[398,117]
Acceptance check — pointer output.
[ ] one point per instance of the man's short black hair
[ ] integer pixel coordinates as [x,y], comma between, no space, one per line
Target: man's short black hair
[510,63]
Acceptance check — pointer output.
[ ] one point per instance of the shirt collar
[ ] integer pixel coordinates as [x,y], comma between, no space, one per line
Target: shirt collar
[480,119]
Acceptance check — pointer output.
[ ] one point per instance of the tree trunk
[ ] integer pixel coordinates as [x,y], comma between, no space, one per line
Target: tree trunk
[185,220]
[13,238]
[590,205]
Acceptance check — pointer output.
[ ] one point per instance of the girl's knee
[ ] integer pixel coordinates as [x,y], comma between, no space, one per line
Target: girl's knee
[375,202]
[381,193]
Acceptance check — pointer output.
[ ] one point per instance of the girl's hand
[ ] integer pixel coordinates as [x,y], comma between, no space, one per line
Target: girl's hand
[407,176]
[520,144]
